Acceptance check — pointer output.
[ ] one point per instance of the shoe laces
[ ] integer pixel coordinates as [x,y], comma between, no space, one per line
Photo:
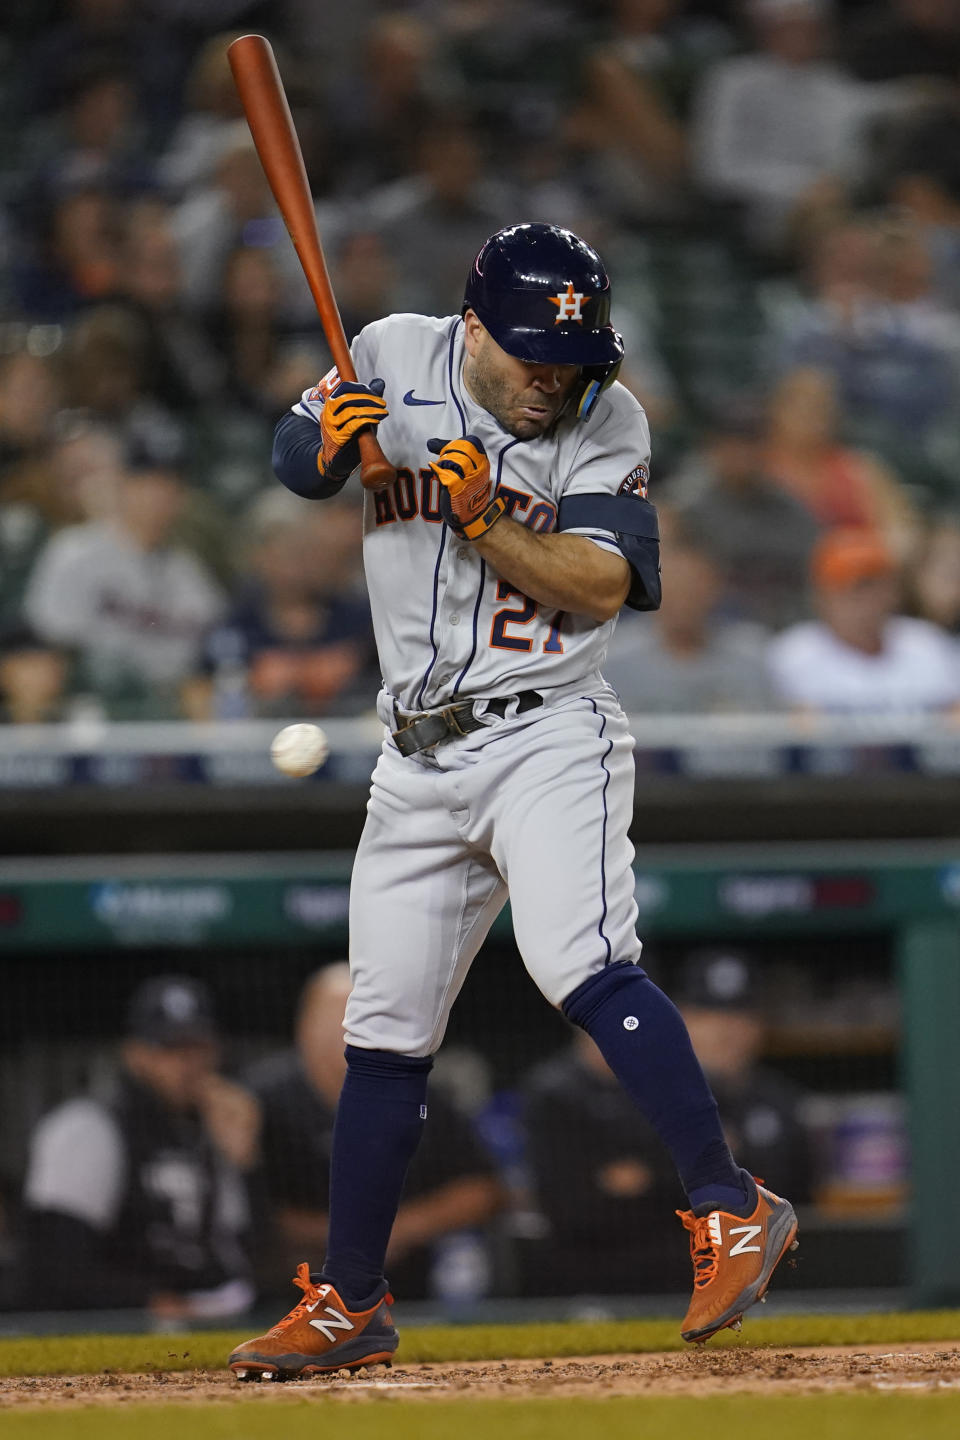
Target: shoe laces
[310,1295]
[703,1250]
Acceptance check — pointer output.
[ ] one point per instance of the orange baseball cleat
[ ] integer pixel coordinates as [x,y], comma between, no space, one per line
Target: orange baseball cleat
[733,1260]
[319,1335]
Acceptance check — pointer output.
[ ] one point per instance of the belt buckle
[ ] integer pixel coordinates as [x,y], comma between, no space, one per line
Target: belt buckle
[452,721]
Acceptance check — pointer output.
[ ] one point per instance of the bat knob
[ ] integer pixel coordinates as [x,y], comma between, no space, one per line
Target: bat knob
[377,474]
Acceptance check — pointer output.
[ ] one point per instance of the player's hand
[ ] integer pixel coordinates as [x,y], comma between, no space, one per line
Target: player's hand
[232,1119]
[464,474]
[348,410]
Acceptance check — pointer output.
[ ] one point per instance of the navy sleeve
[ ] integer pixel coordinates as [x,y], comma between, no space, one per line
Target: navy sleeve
[296,445]
[634,522]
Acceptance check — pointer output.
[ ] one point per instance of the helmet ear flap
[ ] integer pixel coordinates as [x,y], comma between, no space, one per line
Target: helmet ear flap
[594,379]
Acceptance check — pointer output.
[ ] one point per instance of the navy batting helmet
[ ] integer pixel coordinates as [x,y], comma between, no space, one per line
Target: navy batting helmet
[544,296]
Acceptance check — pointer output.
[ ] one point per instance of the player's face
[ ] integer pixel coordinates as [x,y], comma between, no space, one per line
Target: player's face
[522,397]
[179,1074]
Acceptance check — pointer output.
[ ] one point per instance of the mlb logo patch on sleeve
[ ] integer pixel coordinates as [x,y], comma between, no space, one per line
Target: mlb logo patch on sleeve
[636,482]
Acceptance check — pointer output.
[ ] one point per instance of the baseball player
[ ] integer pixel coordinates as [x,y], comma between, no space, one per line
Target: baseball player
[497,562]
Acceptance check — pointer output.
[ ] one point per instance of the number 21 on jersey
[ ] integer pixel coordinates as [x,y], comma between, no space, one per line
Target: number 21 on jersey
[522,614]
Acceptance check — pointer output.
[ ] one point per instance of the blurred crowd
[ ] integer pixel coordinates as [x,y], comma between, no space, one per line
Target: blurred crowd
[187,1182]
[774,184]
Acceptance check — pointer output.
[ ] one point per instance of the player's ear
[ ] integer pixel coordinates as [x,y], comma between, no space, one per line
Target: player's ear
[473,331]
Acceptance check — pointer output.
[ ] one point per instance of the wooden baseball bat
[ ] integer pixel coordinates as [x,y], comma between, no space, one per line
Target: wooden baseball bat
[264,101]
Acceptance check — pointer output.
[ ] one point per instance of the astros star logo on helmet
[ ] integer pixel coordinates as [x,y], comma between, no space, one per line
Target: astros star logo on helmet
[569,304]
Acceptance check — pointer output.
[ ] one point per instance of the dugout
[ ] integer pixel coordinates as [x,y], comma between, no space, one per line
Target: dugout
[828,856]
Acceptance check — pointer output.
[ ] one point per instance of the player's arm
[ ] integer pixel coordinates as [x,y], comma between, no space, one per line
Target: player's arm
[564,572]
[316,446]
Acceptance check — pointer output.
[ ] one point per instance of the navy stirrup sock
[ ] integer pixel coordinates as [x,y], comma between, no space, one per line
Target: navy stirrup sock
[642,1037]
[380,1116]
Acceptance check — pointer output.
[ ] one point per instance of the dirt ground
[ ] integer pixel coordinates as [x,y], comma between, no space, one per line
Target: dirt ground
[914,1368]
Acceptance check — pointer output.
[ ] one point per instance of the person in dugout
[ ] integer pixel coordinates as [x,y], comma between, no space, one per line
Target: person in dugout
[135,1194]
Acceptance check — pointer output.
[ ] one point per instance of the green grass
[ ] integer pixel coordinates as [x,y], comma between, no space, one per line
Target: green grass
[89,1354]
[833,1417]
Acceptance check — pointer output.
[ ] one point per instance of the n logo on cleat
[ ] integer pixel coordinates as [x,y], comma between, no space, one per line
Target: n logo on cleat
[742,1247]
[336,1322]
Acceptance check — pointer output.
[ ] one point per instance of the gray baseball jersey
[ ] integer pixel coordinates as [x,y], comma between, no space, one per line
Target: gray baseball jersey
[446,626]
[534,805]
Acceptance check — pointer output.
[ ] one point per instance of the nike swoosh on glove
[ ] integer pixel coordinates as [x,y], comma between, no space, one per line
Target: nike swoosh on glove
[349,410]
[463,470]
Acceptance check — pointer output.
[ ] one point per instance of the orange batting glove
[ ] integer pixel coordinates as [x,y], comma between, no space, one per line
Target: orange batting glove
[464,474]
[347,410]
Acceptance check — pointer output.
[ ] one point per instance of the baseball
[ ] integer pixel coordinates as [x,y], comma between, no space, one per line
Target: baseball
[299,749]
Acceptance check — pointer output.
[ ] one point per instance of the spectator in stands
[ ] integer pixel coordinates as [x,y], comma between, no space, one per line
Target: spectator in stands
[718,996]
[74,259]
[136,1196]
[894,364]
[637,86]
[234,210]
[263,360]
[106,358]
[33,678]
[64,470]
[836,484]
[772,125]
[87,459]
[934,579]
[297,640]
[96,139]
[832,247]
[451,1186]
[903,269]
[431,218]
[687,658]
[181,367]
[132,605]
[760,536]
[207,126]
[861,654]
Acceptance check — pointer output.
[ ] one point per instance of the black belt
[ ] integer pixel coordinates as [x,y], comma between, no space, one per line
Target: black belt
[428,727]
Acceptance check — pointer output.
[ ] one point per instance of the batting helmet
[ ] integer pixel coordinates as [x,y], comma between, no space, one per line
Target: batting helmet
[544,296]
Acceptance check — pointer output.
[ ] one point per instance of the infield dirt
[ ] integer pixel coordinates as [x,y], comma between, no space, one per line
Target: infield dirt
[931,1368]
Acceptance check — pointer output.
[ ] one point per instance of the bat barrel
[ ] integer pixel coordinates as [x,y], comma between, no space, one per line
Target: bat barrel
[264,101]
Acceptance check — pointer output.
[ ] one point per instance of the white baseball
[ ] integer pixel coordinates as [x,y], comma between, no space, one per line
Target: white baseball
[299,749]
